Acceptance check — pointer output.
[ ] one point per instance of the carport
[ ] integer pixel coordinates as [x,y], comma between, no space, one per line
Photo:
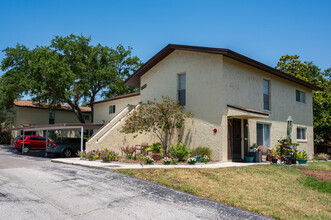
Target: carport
[53,127]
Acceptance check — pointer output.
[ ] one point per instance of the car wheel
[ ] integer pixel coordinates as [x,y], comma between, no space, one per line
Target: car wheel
[67,153]
[26,149]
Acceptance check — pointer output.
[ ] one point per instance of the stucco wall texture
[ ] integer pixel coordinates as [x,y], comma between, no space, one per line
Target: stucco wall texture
[101,110]
[213,82]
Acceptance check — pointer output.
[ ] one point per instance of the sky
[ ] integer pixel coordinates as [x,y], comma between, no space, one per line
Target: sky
[262,30]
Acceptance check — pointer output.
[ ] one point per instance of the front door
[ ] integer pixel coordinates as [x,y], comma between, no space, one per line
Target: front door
[234,139]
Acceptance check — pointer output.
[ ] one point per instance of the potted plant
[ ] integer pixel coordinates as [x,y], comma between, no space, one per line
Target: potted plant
[156,148]
[302,157]
[273,153]
[253,148]
[249,159]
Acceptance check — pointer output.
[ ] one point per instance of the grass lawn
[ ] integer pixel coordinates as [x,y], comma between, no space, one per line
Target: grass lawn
[276,191]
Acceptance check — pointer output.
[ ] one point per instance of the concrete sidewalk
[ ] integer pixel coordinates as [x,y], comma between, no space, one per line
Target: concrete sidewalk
[118,165]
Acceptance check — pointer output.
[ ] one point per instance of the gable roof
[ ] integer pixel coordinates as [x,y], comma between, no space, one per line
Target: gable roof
[118,97]
[134,79]
[32,104]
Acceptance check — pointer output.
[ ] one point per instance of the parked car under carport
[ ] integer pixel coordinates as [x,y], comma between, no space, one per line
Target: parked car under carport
[53,127]
[66,147]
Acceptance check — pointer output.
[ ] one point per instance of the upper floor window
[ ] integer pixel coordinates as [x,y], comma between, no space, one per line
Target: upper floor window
[266,94]
[181,90]
[300,96]
[51,119]
[301,134]
[111,109]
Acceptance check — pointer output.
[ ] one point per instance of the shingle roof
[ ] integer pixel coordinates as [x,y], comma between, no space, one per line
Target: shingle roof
[32,104]
[134,79]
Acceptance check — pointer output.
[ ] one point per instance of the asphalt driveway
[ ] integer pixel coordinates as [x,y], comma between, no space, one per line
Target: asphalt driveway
[34,188]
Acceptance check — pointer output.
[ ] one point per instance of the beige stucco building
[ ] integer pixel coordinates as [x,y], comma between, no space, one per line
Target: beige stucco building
[29,113]
[236,101]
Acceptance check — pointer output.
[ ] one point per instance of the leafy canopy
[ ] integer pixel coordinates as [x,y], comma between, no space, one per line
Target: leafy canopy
[70,70]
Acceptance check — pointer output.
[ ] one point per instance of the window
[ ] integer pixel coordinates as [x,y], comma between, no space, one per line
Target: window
[300,96]
[266,94]
[181,88]
[51,118]
[112,109]
[263,134]
[301,134]
[87,117]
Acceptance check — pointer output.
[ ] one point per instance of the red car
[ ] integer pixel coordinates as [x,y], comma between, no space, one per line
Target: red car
[31,142]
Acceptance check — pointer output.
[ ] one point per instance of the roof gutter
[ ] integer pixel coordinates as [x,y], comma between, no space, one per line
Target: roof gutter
[134,79]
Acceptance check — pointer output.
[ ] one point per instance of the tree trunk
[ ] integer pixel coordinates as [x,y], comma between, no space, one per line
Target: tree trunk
[92,108]
[77,111]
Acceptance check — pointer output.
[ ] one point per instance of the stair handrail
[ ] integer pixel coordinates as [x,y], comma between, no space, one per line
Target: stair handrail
[128,106]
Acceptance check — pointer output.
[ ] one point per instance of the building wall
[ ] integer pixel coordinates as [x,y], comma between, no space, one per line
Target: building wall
[243,86]
[203,94]
[35,116]
[101,110]
[212,83]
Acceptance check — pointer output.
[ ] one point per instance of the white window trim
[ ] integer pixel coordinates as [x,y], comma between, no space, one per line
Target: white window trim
[303,103]
[181,73]
[270,106]
[264,123]
[109,109]
[302,140]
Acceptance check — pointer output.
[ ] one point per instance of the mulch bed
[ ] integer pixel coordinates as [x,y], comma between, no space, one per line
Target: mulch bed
[318,174]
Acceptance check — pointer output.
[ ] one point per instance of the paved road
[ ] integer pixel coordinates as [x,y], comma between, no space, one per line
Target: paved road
[32,187]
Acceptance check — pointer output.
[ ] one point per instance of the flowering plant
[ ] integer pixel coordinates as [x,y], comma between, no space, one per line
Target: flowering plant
[161,118]
[174,160]
[288,150]
[205,159]
[108,155]
[166,160]
[148,159]
[90,155]
[192,160]
[321,156]
[128,151]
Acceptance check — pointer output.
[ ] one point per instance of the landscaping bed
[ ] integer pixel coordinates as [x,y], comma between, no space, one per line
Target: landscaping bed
[277,191]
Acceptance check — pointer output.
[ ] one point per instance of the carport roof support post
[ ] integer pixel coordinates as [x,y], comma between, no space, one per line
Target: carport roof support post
[81,140]
[23,143]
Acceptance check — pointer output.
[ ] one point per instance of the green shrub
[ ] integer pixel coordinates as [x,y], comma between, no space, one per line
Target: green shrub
[179,151]
[156,147]
[5,137]
[201,151]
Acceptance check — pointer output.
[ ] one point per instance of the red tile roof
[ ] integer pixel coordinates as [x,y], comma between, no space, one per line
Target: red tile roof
[32,104]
